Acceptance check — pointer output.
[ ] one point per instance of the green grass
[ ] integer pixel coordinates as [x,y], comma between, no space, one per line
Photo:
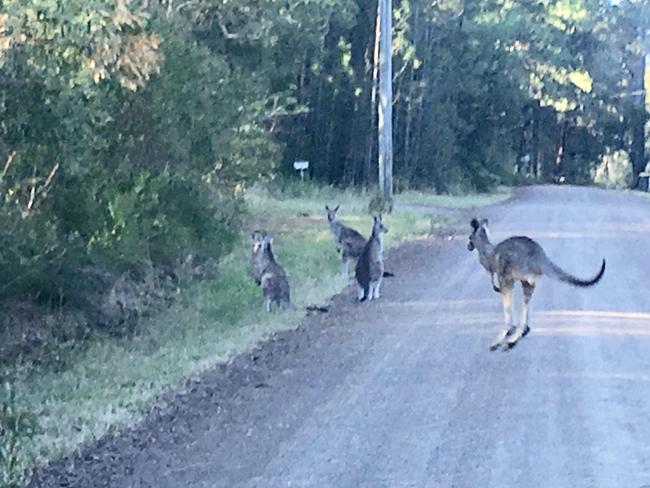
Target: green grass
[112,382]
[457,201]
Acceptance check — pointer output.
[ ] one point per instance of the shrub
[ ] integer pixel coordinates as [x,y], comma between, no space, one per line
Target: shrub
[15,428]
[378,204]
[614,170]
[111,245]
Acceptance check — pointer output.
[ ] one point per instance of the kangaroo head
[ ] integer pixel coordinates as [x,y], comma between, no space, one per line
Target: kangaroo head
[378,226]
[331,213]
[479,235]
[266,244]
[258,237]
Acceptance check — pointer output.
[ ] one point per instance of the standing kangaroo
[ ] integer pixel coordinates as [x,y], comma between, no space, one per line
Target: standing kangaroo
[370,266]
[259,260]
[520,259]
[348,241]
[268,273]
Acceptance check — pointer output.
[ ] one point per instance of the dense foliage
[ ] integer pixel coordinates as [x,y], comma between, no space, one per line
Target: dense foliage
[129,128]
[16,426]
[490,91]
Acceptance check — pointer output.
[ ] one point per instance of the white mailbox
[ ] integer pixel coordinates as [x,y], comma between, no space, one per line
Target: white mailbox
[301,166]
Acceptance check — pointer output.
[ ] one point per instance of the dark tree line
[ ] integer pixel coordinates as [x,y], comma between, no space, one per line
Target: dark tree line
[486,92]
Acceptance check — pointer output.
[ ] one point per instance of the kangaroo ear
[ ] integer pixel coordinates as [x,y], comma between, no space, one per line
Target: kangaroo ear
[474,223]
[327,208]
[337,208]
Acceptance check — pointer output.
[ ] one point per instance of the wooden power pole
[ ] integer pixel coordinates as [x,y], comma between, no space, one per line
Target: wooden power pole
[385,125]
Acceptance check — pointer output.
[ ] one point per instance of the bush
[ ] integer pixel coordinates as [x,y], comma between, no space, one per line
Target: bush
[138,187]
[378,204]
[15,428]
[614,170]
[111,245]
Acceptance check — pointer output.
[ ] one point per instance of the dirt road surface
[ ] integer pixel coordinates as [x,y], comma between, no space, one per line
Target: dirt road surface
[404,392]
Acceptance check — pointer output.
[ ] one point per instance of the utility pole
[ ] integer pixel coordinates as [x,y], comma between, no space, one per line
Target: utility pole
[385,125]
[636,90]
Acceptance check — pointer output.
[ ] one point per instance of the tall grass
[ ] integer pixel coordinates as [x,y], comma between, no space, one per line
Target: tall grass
[413,197]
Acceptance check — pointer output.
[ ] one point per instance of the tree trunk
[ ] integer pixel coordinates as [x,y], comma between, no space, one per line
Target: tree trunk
[559,156]
[417,136]
[536,155]
[370,143]
[637,142]
[331,177]
[409,102]
[351,170]
[525,158]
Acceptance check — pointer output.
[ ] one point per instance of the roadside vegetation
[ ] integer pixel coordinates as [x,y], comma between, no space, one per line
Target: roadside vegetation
[459,200]
[110,381]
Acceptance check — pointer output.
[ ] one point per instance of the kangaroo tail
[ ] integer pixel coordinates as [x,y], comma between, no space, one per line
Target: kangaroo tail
[554,270]
[287,304]
[388,274]
[316,308]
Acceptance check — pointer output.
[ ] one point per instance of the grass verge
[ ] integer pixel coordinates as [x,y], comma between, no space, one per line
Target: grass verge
[111,383]
[412,197]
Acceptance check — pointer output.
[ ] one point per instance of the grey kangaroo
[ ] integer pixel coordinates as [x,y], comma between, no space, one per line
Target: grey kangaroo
[370,266]
[348,241]
[268,273]
[259,260]
[520,259]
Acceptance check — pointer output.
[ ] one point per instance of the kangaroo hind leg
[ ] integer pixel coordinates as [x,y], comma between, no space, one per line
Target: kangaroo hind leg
[506,296]
[361,293]
[371,290]
[529,289]
[523,329]
[345,267]
[377,285]
[495,283]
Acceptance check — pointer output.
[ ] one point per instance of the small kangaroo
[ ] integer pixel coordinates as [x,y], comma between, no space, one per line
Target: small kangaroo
[520,259]
[268,273]
[370,266]
[349,242]
[259,260]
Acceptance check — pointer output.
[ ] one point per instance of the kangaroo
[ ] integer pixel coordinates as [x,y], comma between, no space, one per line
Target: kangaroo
[268,273]
[370,266]
[259,259]
[520,259]
[348,241]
